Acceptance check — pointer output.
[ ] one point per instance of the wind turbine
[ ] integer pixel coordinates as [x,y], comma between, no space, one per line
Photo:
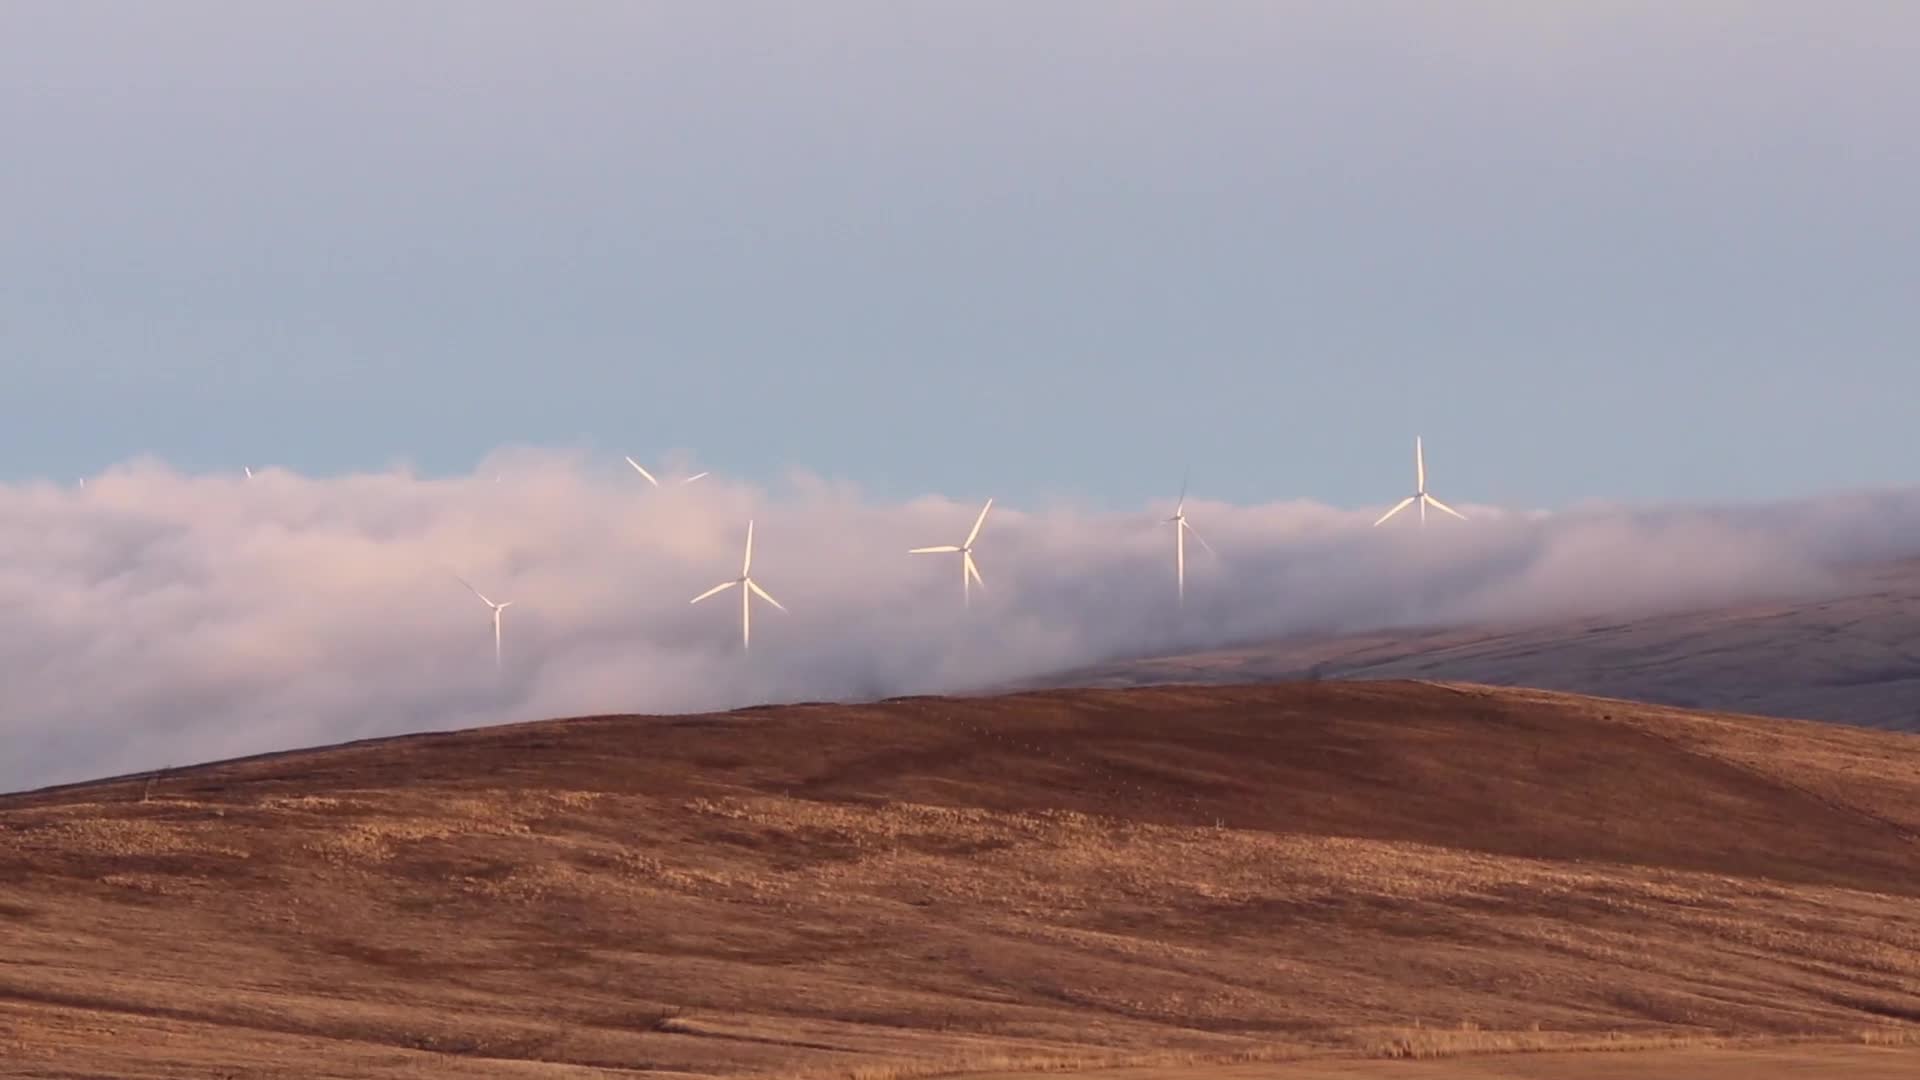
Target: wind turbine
[969,573]
[1420,491]
[649,477]
[1181,527]
[249,471]
[495,608]
[749,588]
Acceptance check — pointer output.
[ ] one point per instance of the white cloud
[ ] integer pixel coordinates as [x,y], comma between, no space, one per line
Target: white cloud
[159,618]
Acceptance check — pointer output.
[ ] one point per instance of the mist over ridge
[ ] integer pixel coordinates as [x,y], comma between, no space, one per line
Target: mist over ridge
[157,617]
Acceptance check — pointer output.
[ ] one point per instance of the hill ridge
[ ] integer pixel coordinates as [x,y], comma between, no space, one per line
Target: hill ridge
[1843,656]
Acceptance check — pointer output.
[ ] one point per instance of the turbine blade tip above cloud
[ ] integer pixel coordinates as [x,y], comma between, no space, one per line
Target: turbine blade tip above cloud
[641,469]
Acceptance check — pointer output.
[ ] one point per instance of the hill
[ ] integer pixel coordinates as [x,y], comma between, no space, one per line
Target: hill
[928,886]
[1850,656]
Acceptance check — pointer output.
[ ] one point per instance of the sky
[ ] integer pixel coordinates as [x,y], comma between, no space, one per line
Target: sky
[1643,275]
[1057,252]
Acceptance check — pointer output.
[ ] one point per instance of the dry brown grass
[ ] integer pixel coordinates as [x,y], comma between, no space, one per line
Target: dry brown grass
[1890,1036]
[1167,880]
[1423,1043]
[978,1063]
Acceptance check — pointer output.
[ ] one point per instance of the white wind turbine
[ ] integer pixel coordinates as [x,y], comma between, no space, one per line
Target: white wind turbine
[749,589]
[1420,491]
[1181,527]
[969,573]
[649,477]
[495,608]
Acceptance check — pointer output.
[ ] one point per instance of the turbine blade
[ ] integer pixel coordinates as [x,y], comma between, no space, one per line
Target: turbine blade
[1419,465]
[715,591]
[1201,539]
[1397,507]
[471,589]
[1182,504]
[696,476]
[1438,505]
[971,569]
[977,522]
[933,550]
[747,563]
[764,595]
[637,467]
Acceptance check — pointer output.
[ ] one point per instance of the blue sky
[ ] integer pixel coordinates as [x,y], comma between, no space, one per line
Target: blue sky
[1042,251]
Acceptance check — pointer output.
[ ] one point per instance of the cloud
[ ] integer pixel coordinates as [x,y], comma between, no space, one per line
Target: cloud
[156,617]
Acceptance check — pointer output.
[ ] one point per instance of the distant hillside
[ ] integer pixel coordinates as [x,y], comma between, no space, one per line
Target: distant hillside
[1852,657]
[924,886]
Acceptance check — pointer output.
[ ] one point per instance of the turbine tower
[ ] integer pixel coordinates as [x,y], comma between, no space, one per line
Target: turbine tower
[649,477]
[1420,491]
[969,573]
[749,589]
[495,608]
[1181,527]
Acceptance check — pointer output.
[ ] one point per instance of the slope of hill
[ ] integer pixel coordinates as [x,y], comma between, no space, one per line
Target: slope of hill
[1852,657]
[925,886]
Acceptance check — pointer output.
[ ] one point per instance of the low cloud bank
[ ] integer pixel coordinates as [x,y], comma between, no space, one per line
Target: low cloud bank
[155,618]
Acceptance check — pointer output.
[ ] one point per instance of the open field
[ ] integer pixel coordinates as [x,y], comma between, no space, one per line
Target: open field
[1705,1063]
[1850,656]
[1305,879]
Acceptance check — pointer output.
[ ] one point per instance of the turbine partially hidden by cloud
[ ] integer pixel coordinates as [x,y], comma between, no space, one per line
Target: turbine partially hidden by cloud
[497,608]
[969,573]
[749,589]
[654,481]
[157,617]
[1181,527]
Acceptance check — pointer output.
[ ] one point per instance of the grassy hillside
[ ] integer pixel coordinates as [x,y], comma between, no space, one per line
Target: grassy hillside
[928,885]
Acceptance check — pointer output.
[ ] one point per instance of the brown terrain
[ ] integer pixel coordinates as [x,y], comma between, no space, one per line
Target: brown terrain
[1293,881]
[1851,656]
